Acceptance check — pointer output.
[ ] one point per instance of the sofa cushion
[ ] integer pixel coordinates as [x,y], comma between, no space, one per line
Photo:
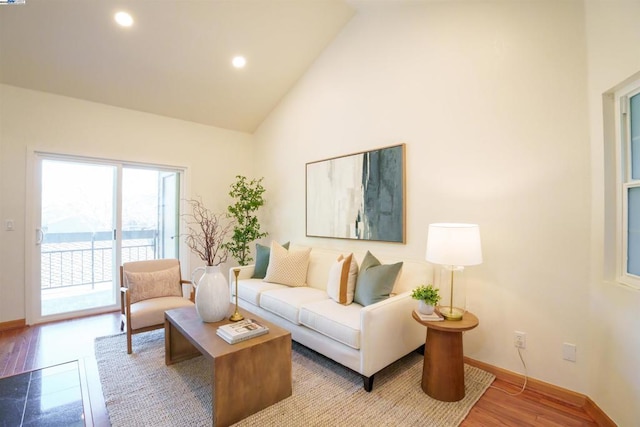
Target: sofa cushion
[342,279]
[154,284]
[262,260]
[287,267]
[250,289]
[375,281]
[286,302]
[339,322]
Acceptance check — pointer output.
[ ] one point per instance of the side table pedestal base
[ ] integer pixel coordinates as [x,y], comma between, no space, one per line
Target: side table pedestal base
[443,370]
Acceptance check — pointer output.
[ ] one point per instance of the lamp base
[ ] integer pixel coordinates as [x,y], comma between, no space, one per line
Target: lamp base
[450,313]
[236,317]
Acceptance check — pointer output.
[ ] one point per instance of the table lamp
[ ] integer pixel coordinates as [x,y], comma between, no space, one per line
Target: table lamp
[453,246]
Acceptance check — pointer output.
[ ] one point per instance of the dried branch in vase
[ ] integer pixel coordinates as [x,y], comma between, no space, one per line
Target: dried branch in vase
[206,232]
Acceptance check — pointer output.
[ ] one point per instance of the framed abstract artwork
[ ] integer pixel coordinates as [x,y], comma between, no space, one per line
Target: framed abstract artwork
[358,196]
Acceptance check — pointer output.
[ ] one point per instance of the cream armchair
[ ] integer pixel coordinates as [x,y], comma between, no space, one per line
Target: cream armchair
[148,289]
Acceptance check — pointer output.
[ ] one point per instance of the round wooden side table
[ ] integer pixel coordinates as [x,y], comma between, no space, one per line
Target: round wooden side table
[443,369]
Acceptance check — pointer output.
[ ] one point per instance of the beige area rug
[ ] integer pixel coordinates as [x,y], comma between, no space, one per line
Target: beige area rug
[140,390]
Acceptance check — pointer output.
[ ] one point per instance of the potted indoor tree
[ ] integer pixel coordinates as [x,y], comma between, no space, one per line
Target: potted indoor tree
[428,297]
[247,196]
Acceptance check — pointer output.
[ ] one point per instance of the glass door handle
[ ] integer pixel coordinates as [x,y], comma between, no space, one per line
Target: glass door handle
[39,236]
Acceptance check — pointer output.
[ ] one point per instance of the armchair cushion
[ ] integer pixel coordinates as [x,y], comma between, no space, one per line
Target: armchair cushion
[150,312]
[146,285]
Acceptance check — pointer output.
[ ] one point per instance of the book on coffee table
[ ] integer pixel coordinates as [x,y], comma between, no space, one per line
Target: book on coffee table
[242,330]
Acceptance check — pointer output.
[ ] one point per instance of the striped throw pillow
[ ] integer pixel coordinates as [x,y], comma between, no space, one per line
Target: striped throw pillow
[342,279]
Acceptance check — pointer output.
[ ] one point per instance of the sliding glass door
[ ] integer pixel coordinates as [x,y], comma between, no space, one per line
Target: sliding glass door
[93,216]
[76,236]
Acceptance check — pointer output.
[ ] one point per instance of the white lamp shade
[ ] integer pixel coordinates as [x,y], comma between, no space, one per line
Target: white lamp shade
[454,244]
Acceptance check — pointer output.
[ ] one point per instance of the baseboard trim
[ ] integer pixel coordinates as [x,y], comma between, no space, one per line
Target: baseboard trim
[562,394]
[598,414]
[12,324]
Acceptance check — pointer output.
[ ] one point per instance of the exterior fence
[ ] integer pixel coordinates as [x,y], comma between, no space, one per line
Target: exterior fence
[75,259]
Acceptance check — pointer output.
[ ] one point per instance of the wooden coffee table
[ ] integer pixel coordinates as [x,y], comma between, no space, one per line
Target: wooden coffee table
[247,377]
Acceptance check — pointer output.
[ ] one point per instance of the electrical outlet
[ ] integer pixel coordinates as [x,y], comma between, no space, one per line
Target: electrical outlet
[519,339]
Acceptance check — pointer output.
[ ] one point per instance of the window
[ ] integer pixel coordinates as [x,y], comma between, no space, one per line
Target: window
[628,172]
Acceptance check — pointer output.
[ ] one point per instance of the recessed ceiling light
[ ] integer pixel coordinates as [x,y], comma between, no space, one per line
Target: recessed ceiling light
[239,61]
[123,19]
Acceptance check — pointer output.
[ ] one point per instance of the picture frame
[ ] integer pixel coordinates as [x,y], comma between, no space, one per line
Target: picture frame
[360,196]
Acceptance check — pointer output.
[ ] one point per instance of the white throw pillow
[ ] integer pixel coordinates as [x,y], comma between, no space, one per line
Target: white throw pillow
[287,267]
[341,285]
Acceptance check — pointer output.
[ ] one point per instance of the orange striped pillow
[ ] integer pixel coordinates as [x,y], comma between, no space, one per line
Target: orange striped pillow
[342,279]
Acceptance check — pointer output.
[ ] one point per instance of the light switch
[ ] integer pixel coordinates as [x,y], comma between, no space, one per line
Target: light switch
[9,225]
[569,352]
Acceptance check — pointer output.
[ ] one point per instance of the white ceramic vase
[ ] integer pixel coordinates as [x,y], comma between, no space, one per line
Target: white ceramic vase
[425,308]
[212,294]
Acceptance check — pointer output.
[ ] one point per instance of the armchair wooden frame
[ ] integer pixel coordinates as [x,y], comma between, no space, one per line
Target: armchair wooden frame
[125,304]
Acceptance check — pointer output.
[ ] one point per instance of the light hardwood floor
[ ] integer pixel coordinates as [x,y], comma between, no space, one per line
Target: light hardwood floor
[36,347]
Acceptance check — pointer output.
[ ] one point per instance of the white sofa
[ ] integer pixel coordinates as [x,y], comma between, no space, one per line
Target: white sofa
[364,339]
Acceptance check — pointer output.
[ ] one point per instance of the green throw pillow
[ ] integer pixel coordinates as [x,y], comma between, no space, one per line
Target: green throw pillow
[375,280]
[262,260]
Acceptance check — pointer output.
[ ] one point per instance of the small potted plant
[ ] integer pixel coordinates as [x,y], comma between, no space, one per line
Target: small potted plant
[428,297]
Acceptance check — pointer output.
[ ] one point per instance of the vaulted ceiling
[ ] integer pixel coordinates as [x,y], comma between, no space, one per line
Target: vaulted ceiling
[175,60]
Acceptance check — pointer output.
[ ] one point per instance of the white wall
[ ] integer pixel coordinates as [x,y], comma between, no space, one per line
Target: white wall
[35,120]
[490,98]
[613,40]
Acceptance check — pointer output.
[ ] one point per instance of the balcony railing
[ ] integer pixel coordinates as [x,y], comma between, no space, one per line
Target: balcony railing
[75,259]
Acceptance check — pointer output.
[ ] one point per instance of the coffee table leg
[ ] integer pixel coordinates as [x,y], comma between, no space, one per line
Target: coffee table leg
[443,370]
[249,380]
[176,347]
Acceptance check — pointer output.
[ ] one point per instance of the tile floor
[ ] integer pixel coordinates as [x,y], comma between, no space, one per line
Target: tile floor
[46,397]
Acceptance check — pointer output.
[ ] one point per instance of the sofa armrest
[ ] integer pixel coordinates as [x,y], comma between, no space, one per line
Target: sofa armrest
[245,272]
[388,332]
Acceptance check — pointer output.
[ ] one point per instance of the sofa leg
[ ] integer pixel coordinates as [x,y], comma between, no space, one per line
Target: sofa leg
[368,383]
